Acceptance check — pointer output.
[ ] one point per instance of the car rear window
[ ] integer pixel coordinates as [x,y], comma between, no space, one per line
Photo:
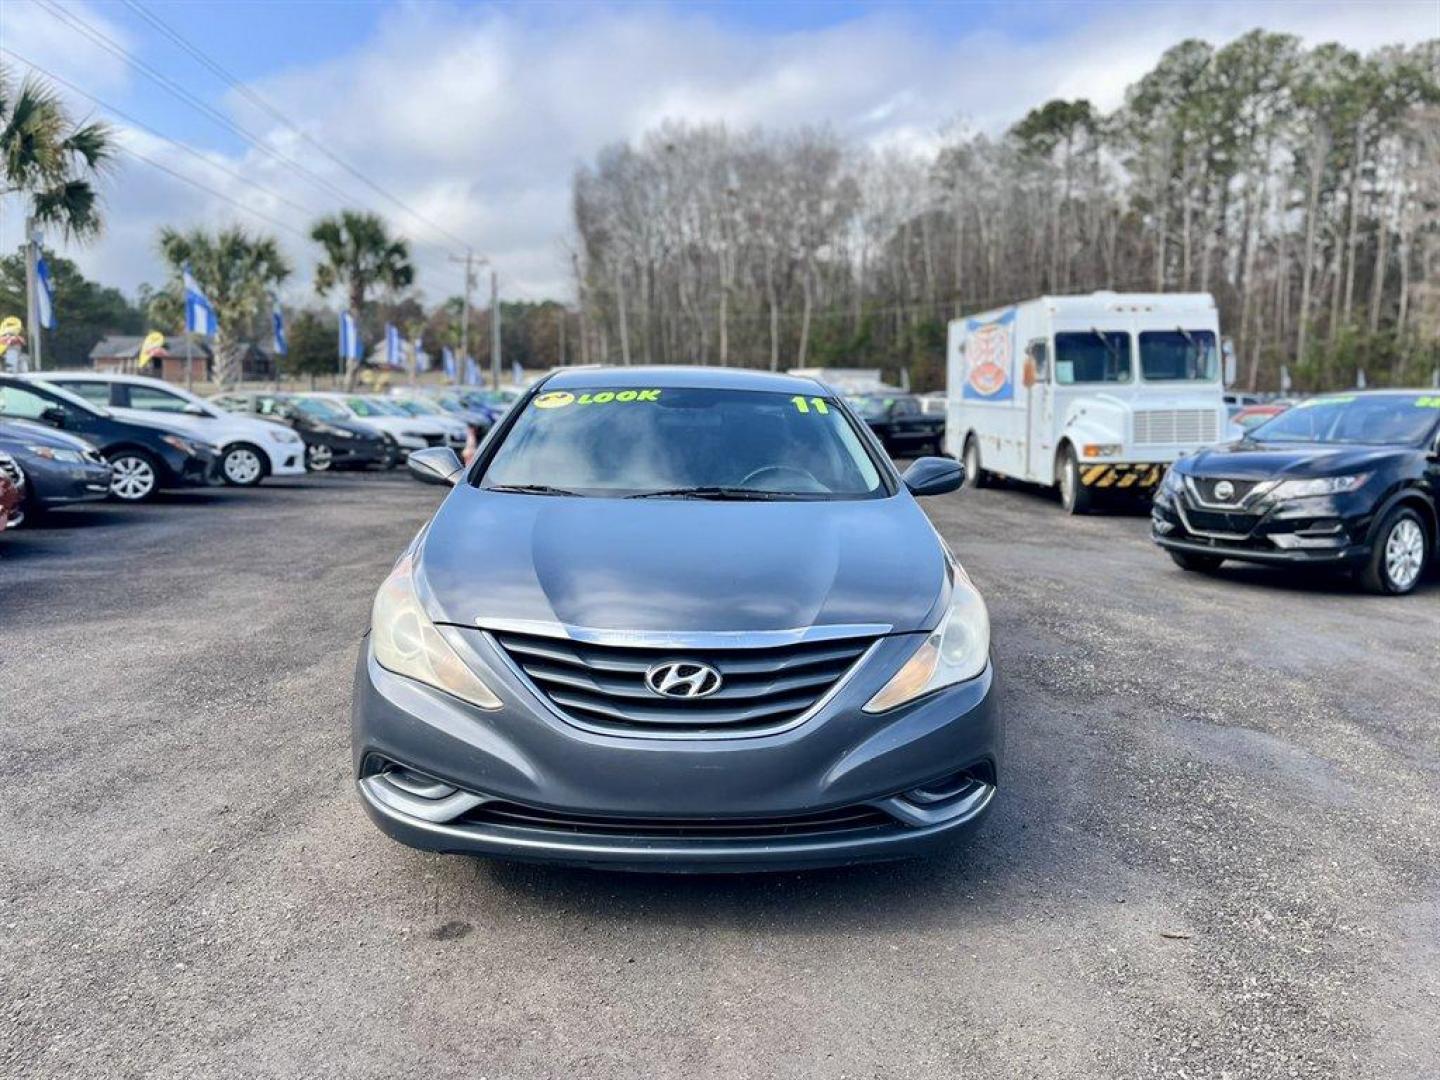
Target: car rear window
[632,441]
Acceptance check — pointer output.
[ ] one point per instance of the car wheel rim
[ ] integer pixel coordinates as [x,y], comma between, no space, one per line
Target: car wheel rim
[242,466]
[1404,553]
[319,458]
[133,478]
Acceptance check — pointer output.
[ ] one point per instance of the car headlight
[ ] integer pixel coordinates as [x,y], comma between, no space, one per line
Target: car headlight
[1174,482]
[283,435]
[185,446]
[408,643]
[1324,485]
[55,453]
[955,651]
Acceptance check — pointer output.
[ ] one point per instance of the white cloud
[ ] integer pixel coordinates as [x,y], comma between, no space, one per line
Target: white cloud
[478,118]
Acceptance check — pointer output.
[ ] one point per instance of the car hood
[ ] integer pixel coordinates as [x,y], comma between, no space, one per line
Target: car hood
[31,433]
[679,565]
[1247,460]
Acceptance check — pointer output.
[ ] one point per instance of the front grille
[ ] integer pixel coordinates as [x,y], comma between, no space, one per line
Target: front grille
[1205,486]
[603,686]
[1168,427]
[829,822]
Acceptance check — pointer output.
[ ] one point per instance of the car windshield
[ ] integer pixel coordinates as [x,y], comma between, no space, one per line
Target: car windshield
[1092,356]
[1370,419]
[321,409]
[679,442]
[1179,356]
[370,407]
[412,407]
[54,391]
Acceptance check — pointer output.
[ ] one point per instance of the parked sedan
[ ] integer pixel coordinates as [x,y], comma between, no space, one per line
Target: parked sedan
[58,469]
[144,456]
[332,436]
[250,450]
[678,619]
[900,423]
[411,432]
[1350,480]
[12,491]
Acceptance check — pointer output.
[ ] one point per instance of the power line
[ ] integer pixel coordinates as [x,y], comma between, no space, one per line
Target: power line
[260,103]
[159,134]
[175,89]
[211,191]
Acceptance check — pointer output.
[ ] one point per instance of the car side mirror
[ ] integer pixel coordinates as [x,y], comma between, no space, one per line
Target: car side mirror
[436,465]
[933,476]
[53,415]
[194,408]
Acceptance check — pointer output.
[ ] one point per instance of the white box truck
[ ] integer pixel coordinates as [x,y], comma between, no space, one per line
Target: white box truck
[1093,393]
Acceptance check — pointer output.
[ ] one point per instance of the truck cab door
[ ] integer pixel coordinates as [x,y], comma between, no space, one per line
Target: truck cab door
[1040,413]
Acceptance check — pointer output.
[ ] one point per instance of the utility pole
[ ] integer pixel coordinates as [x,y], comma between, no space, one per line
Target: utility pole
[470,262]
[494,330]
[31,308]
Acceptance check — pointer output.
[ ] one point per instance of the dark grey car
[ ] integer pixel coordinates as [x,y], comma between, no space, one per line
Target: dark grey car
[678,619]
[59,469]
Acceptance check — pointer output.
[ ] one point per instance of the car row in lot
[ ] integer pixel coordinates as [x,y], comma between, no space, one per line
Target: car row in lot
[73,436]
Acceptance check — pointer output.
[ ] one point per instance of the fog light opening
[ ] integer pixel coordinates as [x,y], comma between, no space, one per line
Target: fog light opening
[417,784]
[946,789]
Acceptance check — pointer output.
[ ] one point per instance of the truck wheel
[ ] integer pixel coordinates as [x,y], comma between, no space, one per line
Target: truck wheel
[1400,555]
[974,474]
[1203,564]
[1075,497]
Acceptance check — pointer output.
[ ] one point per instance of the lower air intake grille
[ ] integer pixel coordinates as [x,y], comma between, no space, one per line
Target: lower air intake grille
[842,819]
[604,688]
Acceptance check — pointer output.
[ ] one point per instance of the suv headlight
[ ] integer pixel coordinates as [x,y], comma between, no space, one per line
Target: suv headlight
[1174,482]
[56,453]
[1324,485]
[408,643]
[955,651]
[283,435]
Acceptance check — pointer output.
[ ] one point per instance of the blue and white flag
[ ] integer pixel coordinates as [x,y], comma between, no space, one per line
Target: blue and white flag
[44,293]
[422,358]
[349,337]
[277,322]
[447,361]
[516,372]
[393,356]
[199,315]
[472,371]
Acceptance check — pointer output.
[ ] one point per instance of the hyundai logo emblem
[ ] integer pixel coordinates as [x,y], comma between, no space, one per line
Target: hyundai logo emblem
[682,679]
[1224,490]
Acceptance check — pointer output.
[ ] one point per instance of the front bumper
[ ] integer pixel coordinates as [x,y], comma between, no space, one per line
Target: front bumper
[286,459]
[828,792]
[1321,531]
[1131,476]
[62,483]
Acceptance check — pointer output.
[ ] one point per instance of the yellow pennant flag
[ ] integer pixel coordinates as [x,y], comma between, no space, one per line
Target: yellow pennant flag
[151,347]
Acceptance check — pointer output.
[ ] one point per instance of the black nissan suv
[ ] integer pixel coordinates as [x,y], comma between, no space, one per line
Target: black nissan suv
[1343,480]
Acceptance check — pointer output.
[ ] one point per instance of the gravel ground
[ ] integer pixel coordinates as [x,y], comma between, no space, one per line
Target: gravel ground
[1214,854]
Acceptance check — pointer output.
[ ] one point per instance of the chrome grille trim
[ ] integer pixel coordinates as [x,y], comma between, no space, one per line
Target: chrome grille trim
[601,688]
[696,639]
[1169,427]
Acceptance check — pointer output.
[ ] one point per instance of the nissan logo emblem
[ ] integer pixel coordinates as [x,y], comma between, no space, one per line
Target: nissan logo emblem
[1224,490]
[683,679]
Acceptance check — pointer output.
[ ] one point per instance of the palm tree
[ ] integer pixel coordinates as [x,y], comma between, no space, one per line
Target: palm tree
[360,254]
[236,270]
[47,158]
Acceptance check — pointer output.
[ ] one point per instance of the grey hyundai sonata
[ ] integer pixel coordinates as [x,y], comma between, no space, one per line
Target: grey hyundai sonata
[678,619]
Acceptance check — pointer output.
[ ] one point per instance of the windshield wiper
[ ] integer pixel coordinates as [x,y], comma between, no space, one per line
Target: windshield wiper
[713,491]
[529,489]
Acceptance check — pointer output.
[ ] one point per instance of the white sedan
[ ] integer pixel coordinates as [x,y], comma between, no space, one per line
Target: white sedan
[411,432]
[249,449]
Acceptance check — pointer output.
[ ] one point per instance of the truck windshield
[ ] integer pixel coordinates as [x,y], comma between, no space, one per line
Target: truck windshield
[1178,356]
[681,442]
[1092,356]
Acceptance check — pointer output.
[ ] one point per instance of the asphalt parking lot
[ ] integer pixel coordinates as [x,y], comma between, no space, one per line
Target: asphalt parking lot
[1214,854]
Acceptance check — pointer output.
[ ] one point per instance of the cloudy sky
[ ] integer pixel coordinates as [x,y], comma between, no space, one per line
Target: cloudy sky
[474,116]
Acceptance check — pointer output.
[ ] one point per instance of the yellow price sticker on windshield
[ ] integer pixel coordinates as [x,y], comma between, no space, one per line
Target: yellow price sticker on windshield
[814,404]
[1427,402]
[558,399]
